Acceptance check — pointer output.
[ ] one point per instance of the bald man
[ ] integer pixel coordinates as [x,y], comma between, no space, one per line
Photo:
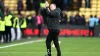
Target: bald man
[53,16]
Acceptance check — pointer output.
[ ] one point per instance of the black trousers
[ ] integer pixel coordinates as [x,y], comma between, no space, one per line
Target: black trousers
[2,35]
[91,30]
[53,36]
[39,28]
[22,31]
[8,33]
[87,3]
[15,33]
[19,12]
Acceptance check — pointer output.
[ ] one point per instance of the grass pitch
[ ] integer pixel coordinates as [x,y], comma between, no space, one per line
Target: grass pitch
[70,46]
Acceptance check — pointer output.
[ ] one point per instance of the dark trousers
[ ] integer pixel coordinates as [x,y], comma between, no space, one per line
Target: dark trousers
[8,33]
[87,3]
[39,28]
[2,35]
[22,31]
[15,33]
[19,12]
[53,36]
[91,30]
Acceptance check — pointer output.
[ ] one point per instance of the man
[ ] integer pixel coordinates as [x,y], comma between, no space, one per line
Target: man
[15,26]
[72,19]
[23,24]
[8,26]
[28,5]
[1,13]
[20,6]
[63,19]
[97,20]
[53,16]
[36,5]
[2,6]
[33,21]
[39,23]
[77,19]
[80,3]
[2,29]
[83,20]
[67,4]
[92,22]
[87,3]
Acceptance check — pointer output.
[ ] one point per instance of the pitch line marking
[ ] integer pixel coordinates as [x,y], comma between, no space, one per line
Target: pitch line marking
[45,52]
[23,43]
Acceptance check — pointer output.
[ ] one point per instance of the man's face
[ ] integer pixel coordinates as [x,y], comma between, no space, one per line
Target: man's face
[52,7]
[6,13]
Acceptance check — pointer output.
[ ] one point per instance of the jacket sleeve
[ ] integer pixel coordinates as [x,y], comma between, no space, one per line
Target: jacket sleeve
[12,20]
[21,22]
[16,22]
[51,13]
[44,14]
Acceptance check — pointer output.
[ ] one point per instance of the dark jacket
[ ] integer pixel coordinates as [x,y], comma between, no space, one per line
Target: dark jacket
[43,13]
[20,5]
[77,19]
[99,21]
[1,14]
[52,19]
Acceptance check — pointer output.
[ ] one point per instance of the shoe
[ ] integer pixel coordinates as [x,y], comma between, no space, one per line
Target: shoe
[47,55]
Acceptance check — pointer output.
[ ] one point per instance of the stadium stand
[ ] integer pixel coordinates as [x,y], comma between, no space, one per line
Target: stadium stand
[12,4]
[95,8]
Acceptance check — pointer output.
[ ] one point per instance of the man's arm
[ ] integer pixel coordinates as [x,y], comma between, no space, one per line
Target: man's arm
[52,14]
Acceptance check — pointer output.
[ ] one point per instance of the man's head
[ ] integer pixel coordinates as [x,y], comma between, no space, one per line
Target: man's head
[91,16]
[52,7]
[95,16]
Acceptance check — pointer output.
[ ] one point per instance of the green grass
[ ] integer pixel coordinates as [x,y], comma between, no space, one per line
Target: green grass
[69,47]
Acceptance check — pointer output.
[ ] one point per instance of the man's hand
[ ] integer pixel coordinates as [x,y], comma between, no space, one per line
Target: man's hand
[46,4]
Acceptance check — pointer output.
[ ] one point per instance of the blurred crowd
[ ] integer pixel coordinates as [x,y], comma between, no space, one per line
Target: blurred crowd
[12,27]
[37,4]
[17,24]
[77,19]
[62,4]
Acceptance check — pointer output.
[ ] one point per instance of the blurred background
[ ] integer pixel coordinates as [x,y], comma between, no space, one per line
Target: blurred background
[74,17]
